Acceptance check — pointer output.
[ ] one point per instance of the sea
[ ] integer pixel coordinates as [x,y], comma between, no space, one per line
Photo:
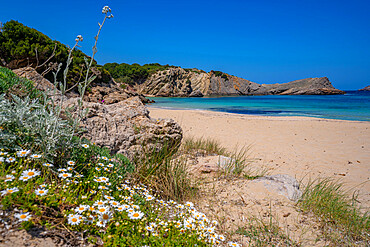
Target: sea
[354,105]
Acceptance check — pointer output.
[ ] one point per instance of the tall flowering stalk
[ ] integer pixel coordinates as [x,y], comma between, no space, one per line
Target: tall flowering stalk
[82,86]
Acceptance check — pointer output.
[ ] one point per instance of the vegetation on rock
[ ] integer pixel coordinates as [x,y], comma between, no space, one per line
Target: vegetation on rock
[134,73]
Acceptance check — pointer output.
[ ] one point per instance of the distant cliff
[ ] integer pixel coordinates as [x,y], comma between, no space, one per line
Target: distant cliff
[365,88]
[178,82]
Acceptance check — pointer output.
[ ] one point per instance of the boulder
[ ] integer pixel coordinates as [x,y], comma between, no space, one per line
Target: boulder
[282,184]
[39,82]
[122,123]
[126,127]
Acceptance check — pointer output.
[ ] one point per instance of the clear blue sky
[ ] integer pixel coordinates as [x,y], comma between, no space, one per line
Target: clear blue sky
[262,41]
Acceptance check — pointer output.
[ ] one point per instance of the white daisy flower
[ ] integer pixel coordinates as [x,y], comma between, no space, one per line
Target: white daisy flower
[71,163]
[149,228]
[23,153]
[43,185]
[135,215]
[23,216]
[31,173]
[100,224]
[65,175]
[2,159]
[62,170]
[10,160]
[81,208]
[233,244]
[104,179]
[41,192]
[120,208]
[114,203]
[100,203]
[36,156]
[9,191]
[105,217]
[109,197]
[110,165]
[85,146]
[9,178]
[3,153]
[97,168]
[101,164]
[74,219]
[104,158]
[102,210]
[102,187]
[47,164]
[221,237]
[24,178]
[90,219]
[189,204]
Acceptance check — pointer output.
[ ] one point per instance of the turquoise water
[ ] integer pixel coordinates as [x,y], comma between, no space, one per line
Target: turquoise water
[355,105]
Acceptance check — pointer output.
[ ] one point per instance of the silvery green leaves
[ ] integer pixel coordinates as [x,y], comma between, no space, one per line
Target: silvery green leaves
[32,125]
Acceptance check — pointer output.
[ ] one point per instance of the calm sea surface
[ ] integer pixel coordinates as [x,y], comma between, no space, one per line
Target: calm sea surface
[355,105]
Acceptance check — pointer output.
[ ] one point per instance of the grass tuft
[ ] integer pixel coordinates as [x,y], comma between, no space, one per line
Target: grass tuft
[205,146]
[341,219]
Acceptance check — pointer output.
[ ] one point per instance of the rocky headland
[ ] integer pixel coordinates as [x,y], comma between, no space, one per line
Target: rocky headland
[179,82]
[365,88]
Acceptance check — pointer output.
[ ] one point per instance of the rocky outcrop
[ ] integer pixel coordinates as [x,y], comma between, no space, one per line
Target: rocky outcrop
[365,88]
[126,127]
[39,82]
[122,123]
[178,82]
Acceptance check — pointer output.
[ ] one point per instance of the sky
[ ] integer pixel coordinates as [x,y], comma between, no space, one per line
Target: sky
[262,41]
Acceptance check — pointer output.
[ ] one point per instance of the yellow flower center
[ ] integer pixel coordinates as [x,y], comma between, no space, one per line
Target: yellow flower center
[23,216]
[105,216]
[102,209]
[30,173]
[135,215]
[41,191]
[74,220]
[81,208]
[65,175]
[10,191]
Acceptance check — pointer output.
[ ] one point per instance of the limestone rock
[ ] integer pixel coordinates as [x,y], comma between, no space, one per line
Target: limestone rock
[178,82]
[40,82]
[122,123]
[126,127]
[365,88]
[283,184]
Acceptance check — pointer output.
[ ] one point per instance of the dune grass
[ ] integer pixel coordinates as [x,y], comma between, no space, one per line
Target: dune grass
[165,171]
[340,218]
[205,146]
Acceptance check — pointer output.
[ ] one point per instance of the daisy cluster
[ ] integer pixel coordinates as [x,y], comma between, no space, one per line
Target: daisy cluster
[104,202]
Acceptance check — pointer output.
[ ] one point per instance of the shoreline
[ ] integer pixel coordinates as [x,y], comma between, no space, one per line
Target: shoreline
[255,116]
[303,147]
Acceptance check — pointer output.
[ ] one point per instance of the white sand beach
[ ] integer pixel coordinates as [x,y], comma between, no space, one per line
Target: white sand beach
[302,147]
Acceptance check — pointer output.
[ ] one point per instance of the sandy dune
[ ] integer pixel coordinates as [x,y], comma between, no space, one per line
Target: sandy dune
[299,146]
